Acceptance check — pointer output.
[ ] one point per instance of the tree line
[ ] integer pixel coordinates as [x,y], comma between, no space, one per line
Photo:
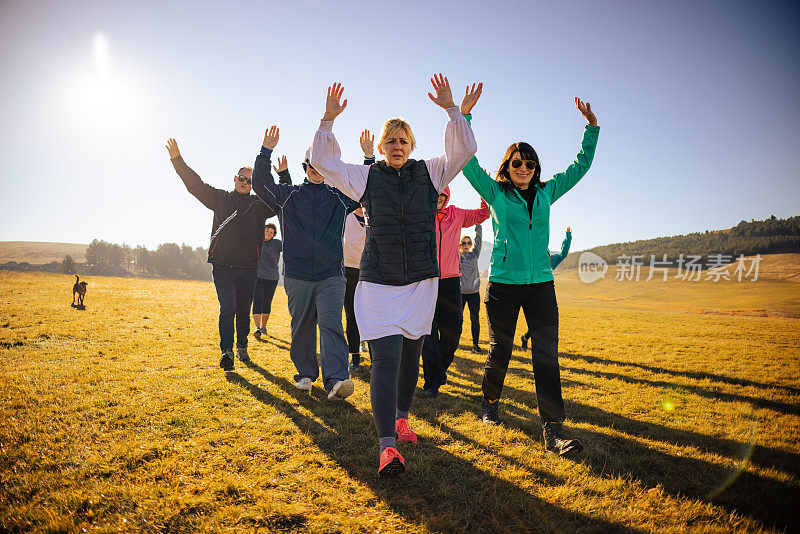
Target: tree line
[169,260]
[770,236]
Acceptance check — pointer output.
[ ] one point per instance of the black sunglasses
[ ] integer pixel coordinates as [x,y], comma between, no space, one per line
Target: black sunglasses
[517,163]
[243,178]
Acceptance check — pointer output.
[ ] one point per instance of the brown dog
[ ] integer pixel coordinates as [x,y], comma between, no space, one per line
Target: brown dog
[78,288]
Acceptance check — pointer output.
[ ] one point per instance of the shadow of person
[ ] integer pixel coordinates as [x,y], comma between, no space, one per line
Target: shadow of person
[610,455]
[439,491]
[763,456]
[695,375]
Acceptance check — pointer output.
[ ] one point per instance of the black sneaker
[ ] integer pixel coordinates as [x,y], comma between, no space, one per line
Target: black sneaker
[556,442]
[355,363]
[477,350]
[523,340]
[227,361]
[490,412]
[241,352]
[431,392]
[257,333]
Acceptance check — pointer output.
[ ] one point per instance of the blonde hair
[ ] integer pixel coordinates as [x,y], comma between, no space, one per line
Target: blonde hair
[391,126]
[245,168]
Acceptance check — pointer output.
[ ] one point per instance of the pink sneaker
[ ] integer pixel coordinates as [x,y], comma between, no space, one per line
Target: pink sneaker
[404,432]
[391,462]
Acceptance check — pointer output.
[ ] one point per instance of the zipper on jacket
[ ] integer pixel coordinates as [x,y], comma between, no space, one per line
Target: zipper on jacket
[505,250]
[403,227]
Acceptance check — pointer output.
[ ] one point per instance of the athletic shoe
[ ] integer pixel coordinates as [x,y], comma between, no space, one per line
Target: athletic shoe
[257,334]
[304,384]
[556,442]
[341,390]
[431,392]
[404,432]
[391,463]
[477,350]
[227,360]
[490,412]
[355,362]
[523,340]
[241,353]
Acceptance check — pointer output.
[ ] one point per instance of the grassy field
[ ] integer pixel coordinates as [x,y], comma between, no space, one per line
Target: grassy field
[117,418]
[36,252]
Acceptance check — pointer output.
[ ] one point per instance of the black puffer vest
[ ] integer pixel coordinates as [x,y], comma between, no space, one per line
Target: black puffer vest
[400,246]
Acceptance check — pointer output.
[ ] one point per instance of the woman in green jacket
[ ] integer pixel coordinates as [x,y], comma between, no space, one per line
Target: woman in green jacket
[520,275]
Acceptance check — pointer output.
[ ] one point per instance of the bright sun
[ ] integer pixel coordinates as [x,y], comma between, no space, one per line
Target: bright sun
[101,96]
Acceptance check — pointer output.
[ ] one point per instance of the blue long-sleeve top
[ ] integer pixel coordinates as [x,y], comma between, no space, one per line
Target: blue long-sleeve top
[312,221]
[555,259]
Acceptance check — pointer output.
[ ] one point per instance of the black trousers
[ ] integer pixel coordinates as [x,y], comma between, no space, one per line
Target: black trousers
[538,302]
[235,288]
[473,300]
[440,346]
[262,298]
[353,337]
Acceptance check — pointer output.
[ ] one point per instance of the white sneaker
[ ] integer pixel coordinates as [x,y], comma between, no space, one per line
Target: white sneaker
[304,384]
[341,390]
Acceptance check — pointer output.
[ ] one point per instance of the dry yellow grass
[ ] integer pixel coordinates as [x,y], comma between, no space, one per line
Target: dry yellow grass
[36,252]
[118,418]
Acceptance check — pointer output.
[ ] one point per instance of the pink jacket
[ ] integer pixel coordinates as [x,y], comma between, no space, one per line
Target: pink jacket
[449,222]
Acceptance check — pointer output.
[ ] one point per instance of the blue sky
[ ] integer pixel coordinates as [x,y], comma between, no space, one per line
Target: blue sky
[697,103]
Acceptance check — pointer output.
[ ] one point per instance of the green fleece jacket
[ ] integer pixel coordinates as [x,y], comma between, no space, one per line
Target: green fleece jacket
[520,254]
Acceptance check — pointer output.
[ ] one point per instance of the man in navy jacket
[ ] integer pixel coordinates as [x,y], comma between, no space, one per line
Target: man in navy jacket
[236,235]
[312,221]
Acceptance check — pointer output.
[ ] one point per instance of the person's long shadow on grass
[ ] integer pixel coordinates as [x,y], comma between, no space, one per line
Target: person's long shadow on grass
[781,407]
[765,499]
[759,402]
[695,375]
[440,491]
[767,457]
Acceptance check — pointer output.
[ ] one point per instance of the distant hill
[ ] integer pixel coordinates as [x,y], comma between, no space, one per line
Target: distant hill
[38,253]
[771,236]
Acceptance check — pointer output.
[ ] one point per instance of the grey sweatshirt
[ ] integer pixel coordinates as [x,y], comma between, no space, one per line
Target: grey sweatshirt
[470,277]
[268,259]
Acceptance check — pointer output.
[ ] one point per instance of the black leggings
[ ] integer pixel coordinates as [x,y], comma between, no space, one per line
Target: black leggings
[353,336]
[393,378]
[440,346]
[262,299]
[474,302]
[538,302]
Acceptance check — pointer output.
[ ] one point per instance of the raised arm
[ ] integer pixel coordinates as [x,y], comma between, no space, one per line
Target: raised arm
[326,156]
[272,194]
[459,141]
[367,142]
[561,256]
[208,195]
[477,216]
[282,168]
[478,240]
[564,181]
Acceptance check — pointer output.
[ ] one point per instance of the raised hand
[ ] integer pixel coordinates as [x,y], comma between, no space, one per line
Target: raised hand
[586,111]
[271,136]
[444,97]
[333,104]
[172,148]
[471,97]
[569,229]
[282,165]
[367,144]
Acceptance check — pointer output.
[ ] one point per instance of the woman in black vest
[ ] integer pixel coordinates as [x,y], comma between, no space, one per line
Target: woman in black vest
[398,275]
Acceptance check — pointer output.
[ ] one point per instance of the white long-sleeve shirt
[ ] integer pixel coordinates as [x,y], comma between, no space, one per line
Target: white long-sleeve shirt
[351,179]
[385,310]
